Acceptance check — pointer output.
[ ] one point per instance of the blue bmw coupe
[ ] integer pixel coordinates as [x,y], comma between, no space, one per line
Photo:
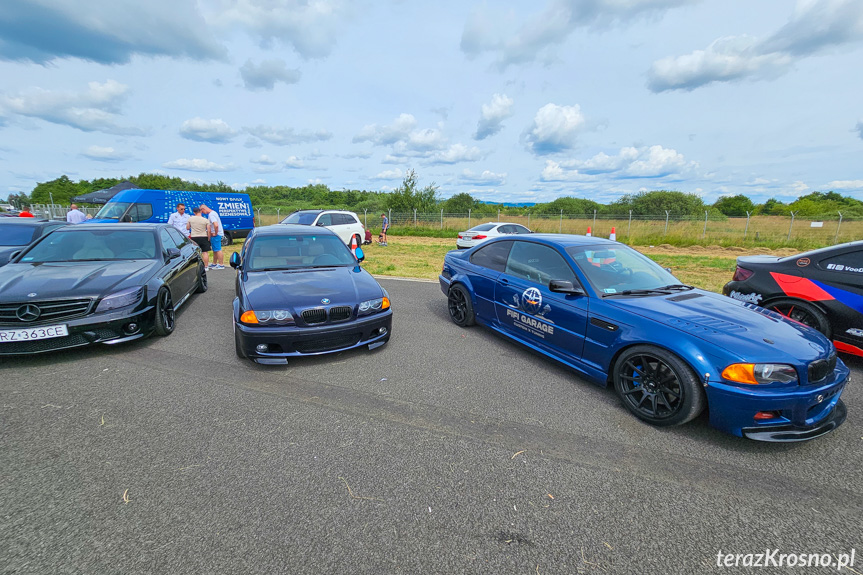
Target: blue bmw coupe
[668,349]
[300,291]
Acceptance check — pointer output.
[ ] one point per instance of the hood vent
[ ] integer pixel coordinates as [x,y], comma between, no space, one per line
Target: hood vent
[684,297]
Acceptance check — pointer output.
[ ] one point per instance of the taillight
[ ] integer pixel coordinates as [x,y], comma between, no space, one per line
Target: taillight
[480,237]
[742,274]
[460,236]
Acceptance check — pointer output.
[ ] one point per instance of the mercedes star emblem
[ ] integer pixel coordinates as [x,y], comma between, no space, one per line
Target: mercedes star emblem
[28,312]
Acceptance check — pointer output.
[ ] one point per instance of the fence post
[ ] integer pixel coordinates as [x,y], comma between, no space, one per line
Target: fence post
[415,216]
[746,229]
[498,214]
[441,218]
[560,225]
[259,216]
[594,219]
[788,239]
[365,217]
[666,224]
[278,215]
[468,218]
[528,219]
[704,232]
[836,237]
[390,216]
[629,229]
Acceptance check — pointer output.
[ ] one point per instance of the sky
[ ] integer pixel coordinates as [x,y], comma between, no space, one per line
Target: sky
[509,101]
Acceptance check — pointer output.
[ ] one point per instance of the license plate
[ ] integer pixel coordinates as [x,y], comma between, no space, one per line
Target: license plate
[33,333]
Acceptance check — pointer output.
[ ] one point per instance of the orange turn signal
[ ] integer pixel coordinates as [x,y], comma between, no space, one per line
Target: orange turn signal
[386,303]
[249,317]
[741,373]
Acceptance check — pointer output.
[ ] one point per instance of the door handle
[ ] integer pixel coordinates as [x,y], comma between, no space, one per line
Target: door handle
[505,282]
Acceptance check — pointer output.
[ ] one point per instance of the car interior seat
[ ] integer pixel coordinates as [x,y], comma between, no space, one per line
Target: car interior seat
[94,249]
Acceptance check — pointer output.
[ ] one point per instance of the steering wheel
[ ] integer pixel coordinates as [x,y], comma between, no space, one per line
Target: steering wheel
[326,259]
[130,253]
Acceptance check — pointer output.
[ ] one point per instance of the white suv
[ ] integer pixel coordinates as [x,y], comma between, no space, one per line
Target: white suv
[346,224]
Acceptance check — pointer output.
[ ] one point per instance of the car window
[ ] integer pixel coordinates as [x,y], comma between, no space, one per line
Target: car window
[325,220]
[304,218]
[507,229]
[142,212]
[179,238]
[17,235]
[296,251]
[614,269]
[517,229]
[849,261]
[343,219]
[168,240]
[538,263]
[492,256]
[88,245]
[481,228]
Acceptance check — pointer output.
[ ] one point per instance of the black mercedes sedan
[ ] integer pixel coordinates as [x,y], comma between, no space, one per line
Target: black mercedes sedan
[300,291]
[96,283]
[18,233]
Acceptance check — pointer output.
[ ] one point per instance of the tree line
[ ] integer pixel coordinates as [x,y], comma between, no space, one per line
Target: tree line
[410,196]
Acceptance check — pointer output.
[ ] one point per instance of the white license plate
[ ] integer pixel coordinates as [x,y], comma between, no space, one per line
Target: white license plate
[33,333]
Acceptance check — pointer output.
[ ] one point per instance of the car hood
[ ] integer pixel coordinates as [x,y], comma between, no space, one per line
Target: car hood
[308,287]
[71,279]
[731,325]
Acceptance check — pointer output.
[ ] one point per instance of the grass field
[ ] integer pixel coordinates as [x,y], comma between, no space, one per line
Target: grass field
[707,267]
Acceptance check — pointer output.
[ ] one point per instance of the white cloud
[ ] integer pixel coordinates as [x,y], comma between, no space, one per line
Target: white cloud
[389,175]
[104,154]
[554,129]
[799,187]
[264,160]
[455,154]
[286,136]
[846,185]
[198,165]
[493,115]
[486,178]
[645,162]
[267,74]
[213,131]
[398,131]
[516,42]
[814,27]
[95,110]
[294,163]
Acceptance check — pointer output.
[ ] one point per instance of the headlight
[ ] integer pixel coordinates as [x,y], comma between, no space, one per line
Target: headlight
[760,373]
[267,317]
[120,299]
[374,305]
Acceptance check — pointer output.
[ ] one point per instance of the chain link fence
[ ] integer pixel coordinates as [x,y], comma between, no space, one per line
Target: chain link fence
[825,230]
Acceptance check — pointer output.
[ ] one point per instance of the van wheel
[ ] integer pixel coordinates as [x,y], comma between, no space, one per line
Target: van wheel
[228,239]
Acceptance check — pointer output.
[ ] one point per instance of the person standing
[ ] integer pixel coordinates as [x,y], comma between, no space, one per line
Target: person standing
[179,219]
[75,216]
[216,236]
[25,212]
[199,232]
[384,227]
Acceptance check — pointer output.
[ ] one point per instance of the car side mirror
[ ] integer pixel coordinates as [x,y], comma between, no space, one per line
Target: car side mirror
[564,286]
[235,260]
[359,254]
[173,253]
[320,224]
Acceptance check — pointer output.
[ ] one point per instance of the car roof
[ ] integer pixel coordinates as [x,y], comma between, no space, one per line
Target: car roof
[117,226]
[17,221]
[561,240]
[322,211]
[291,230]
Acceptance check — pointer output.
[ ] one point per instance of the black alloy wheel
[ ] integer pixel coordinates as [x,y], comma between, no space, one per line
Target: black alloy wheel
[164,312]
[657,386]
[202,278]
[803,312]
[460,306]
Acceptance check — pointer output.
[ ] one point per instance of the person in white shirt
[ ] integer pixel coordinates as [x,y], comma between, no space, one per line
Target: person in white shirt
[75,216]
[179,219]
[216,239]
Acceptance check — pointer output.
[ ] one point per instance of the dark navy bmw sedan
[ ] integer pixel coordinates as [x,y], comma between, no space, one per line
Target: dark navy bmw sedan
[669,350]
[300,291]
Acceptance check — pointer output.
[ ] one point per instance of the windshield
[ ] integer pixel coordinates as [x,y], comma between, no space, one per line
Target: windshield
[17,235]
[89,245]
[297,251]
[304,218]
[482,228]
[613,270]
[113,211]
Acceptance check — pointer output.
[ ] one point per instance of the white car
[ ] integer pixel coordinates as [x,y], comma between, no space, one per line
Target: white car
[478,234]
[346,224]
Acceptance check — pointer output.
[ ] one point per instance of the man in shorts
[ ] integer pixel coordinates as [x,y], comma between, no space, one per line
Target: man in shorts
[385,225]
[199,231]
[215,237]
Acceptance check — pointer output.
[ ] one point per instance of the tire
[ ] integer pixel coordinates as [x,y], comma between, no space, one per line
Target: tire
[164,312]
[657,386]
[460,306]
[229,239]
[202,279]
[803,312]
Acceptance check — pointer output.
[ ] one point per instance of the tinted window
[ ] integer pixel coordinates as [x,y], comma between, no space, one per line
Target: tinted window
[343,219]
[481,228]
[80,245]
[167,239]
[16,235]
[141,212]
[492,256]
[840,262]
[520,229]
[507,229]
[538,263]
[325,220]
[297,251]
[304,218]
[179,238]
[614,269]
[113,211]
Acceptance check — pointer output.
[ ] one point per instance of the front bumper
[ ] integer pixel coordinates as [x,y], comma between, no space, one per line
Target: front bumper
[791,433]
[290,341]
[108,328]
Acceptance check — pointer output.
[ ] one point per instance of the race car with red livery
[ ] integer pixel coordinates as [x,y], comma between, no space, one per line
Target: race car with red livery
[822,288]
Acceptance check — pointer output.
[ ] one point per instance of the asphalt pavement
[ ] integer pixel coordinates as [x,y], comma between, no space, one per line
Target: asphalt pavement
[448,450]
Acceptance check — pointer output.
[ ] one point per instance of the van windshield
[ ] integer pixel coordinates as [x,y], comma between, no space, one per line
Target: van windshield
[113,211]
